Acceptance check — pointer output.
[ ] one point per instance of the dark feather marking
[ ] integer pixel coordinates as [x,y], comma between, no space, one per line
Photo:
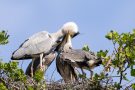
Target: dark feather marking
[23,43]
[98,62]
[82,64]
[22,58]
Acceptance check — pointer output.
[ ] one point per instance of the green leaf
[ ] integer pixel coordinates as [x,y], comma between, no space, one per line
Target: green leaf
[133,31]
[3,37]
[133,86]
[30,88]
[109,36]
[102,75]
[83,76]
[117,85]
[132,72]
[3,87]
[115,62]
[86,48]
[38,75]
[96,76]
[102,53]
[125,78]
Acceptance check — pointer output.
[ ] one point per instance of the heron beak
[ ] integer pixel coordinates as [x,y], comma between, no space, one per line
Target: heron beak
[75,34]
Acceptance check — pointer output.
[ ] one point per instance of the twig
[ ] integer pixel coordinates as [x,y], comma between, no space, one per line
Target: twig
[15,87]
[107,84]
[114,76]
[121,75]
[129,82]
[126,68]
[52,74]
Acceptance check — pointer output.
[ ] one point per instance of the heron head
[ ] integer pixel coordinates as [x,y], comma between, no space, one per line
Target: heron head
[94,63]
[70,28]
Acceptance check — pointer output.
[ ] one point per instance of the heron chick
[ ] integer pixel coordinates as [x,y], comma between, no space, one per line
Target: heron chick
[78,58]
[81,59]
[65,69]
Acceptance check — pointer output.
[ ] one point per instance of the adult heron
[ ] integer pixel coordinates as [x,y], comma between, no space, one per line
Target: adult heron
[42,43]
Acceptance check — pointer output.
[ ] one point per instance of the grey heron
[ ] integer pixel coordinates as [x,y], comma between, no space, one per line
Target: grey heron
[47,60]
[81,59]
[78,58]
[65,69]
[42,43]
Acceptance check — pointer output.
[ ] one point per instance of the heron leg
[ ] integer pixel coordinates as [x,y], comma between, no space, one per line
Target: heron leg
[83,72]
[41,60]
[32,67]
[91,74]
[44,66]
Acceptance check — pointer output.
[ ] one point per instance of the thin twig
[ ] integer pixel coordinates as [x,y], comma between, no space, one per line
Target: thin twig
[121,75]
[52,74]
[128,82]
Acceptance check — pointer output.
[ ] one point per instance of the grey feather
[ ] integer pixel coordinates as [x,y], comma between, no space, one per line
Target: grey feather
[36,44]
[81,59]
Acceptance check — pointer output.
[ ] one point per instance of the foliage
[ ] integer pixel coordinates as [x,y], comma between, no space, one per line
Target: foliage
[3,87]
[121,59]
[14,78]
[124,51]
[86,48]
[3,37]
[38,75]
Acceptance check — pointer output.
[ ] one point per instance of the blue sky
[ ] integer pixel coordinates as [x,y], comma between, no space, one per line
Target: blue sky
[22,18]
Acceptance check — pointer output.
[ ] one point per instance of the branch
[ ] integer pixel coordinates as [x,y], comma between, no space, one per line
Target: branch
[52,74]
[121,75]
[129,82]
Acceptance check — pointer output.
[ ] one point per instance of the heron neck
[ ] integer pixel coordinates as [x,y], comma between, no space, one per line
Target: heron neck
[68,44]
[69,40]
[58,35]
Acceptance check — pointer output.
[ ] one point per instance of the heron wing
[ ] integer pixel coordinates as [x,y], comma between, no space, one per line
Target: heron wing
[65,69]
[89,55]
[38,43]
[35,39]
[74,55]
